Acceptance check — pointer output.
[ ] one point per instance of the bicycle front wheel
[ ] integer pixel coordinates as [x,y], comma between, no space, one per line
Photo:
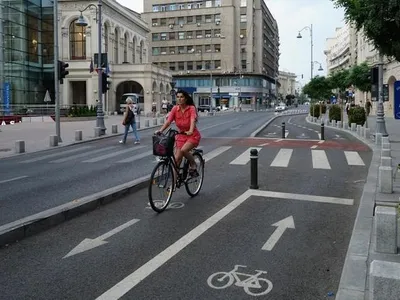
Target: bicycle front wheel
[193,184]
[161,186]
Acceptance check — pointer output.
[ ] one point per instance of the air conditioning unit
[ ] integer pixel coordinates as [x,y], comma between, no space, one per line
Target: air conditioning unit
[171,26]
[217,22]
[155,24]
[198,24]
[217,35]
[208,35]
[181,25]
[241,36]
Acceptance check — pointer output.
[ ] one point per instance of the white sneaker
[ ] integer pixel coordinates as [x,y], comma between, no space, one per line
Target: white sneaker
[121,142]
[137,142]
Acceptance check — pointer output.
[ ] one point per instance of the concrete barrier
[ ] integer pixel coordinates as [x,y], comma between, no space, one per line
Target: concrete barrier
[19,146]
[53,140]
[367,133]
[385,139]
[147,123]
[333,123]
[358,129]
[162,121]
[386,153]
[385,234]
[97,131]
[339,124]
[114,128]
[78,135]
[385,179]
[384,280]
[378,138]
[346,125]
[386,146]
[155,122]
[353,126]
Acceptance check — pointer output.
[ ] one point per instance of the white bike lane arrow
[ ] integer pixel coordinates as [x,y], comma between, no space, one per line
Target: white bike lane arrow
[281,225]
[88,244]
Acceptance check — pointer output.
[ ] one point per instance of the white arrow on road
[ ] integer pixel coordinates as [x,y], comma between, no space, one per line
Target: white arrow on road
[88,244]
[282,225]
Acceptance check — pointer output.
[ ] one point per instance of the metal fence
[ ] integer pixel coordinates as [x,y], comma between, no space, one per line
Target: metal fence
[37,110]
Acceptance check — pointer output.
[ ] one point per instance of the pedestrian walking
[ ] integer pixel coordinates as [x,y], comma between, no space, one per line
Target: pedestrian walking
[130,121]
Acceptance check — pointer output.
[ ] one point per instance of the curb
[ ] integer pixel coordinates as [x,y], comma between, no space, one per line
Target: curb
[44,220]
[353,282]
[258,130]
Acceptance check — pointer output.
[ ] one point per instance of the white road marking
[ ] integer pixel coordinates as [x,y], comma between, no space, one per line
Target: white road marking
[320,160]
[214,153]
[282,158]
[281,227]
[321,142]
[219,124]
[353,158]
[133,279]
[59,153]
[13,179]
[243,158]
[136,157]
[278,140]
[113,154]
[72,157]
[262,145]
[314,146]
[319,135]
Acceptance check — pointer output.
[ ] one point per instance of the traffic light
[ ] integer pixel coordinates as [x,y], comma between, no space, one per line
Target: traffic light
[105,83]
[62,71]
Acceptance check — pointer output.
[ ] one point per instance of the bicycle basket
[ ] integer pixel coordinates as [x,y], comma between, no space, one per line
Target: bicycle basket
[163,145]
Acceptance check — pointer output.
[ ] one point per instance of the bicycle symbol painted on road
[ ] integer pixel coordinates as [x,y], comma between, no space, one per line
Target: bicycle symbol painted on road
[252,284]
[172,205]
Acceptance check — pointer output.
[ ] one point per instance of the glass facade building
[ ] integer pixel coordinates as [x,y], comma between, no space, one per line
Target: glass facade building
[26,53]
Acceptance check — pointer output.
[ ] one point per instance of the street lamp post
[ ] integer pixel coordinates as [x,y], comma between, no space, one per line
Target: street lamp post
[81,22]
[380,126]
[310,28]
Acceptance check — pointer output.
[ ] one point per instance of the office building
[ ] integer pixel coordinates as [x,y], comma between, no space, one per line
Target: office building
[26,54]
[226,49]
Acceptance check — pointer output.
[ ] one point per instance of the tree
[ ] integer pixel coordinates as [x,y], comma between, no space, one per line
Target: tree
[379,20]
[340,80]
[360,77]
[318,88]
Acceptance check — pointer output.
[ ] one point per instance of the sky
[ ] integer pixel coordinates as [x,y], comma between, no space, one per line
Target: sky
[292,16]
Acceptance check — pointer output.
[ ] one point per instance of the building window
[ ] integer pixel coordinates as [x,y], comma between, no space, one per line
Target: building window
[217,3]
[172,66]
[156,37]
[189,34]
[181,6]
[217,32]
[156,51]
[190,49]
[208,3]
[208,18]
[208,33]
[217,18]
[163,22]
[181,50]
[181,20]
[243,18]
[199,19]
[155,8]
[243,3]
[199,34]
[207,65]
[199,65]
[189,65]
[172,7]
[163,36]
[116,46]
[163,50]
[208,48]
[181,35]
[171,50]
[217,64]
[77,41]
[154,22]
[198,5]
[217,48]
[189,19]
[181,66]
[243,33]
[163,8]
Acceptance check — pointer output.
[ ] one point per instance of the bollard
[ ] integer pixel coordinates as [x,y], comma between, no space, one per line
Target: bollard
[386,153]
[367,133]
[322,131]
[162,121]
[378,139]
[114,128]
[353,126]
[147,123]
[19,146]
[339,124]
[384,280]
[53,140]
[253,169]
[385,229]
[283,130]
[385,179]
[385,140]
[78,135]
[97,131]
[137,124]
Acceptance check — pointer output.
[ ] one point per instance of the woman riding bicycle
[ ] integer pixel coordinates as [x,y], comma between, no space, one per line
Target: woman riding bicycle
[185,116]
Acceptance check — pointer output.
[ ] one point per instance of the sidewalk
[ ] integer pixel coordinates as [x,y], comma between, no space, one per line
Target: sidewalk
[372,266]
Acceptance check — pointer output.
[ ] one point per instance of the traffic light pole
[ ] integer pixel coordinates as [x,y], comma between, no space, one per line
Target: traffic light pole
[100,112]
[56,72]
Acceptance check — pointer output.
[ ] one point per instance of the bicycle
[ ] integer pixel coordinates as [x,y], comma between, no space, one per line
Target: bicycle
[167,168]
[253,285]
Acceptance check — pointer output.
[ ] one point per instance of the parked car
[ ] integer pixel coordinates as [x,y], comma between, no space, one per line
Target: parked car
[280,107]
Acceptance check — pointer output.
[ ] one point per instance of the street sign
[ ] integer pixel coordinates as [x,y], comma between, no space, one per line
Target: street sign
[47,97]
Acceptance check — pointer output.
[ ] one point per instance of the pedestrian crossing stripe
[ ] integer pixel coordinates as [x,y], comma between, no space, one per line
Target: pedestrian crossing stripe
[281,159]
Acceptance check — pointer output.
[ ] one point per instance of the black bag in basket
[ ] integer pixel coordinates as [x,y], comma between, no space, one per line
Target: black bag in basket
[163,145]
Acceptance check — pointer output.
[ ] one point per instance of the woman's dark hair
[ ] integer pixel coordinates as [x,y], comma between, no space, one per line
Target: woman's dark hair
[189,99]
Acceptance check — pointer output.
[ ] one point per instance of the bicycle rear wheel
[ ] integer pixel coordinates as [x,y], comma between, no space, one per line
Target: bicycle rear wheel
[161,186]
[193,184]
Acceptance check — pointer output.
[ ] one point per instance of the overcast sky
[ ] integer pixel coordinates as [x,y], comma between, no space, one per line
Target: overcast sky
[292,16]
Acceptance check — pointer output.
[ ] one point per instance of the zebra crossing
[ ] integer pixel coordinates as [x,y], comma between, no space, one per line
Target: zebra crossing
[231,155]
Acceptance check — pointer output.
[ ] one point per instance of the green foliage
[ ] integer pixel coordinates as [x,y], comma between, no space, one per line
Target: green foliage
[357,115]
[314,110]
[82,111]
[323,108]
[379,20]
[335,113]
[360,77]
[318,88]
[340,80]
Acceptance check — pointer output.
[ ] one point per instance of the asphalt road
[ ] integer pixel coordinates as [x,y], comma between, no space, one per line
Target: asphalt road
[297,229]
[296,127]
[31,183]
